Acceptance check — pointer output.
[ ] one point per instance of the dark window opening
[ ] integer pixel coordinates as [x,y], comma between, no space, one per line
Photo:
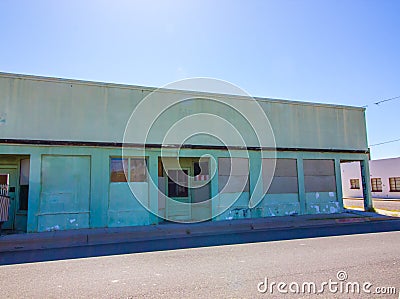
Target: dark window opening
[23,197]
[178,183]
[3,179]
[23,184]
[196,168]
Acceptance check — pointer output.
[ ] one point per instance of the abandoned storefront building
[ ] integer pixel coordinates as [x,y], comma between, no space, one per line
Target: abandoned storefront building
[74,155]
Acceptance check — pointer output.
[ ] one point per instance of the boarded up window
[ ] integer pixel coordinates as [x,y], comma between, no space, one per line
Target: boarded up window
[285,176]
[319,175]
[233,175]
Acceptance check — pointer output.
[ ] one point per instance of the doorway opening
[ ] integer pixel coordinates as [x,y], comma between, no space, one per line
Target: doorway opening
[186,181]
[14,185]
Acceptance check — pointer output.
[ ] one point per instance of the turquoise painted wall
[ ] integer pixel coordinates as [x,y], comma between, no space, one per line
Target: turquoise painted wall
[123,208]
[69,186]
[64,201]
[113,206]
[59,109]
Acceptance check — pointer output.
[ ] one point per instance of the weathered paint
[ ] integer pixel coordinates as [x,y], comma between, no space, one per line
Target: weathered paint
[65,192]
[123,208]
[54,109]
[100,183]
[366,183]
[280,205]
[322,203]
[67,110]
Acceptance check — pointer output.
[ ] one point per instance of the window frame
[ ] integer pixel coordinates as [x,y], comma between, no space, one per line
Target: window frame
[394,184]
[375,182]
[355,184]
[127,172]
[175,184]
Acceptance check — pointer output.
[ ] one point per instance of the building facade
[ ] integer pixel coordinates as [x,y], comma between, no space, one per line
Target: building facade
[67,165]
[384,179]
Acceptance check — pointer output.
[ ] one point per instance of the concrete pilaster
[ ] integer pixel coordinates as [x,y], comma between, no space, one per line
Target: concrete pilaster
[300,181]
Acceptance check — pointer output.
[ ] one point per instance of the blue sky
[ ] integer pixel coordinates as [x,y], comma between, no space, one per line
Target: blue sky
[341,52]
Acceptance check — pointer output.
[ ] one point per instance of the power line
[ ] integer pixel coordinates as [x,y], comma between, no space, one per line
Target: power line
[382,101]
[387,100]
[390,141]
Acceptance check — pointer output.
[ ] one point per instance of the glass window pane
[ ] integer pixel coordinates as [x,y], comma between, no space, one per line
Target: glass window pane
[178,188]
[117,168]
[138,170]
[376,185]
[394,184]
[354,184]
[24,172]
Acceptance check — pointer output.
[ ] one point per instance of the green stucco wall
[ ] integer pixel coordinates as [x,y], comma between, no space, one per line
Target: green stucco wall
[114,206]
[70,188]
[55,109]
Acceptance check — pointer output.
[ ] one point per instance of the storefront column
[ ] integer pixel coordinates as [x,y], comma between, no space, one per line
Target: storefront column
[34,192]
[256,179]
[338,178]
[153,187]
[300,181]
[214,186]
[366,184]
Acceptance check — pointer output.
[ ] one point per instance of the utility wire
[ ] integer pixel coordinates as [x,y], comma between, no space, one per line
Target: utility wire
[390,141]
[387,100]
[379,102]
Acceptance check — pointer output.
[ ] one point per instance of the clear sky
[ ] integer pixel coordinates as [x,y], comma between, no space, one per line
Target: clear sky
[341,52]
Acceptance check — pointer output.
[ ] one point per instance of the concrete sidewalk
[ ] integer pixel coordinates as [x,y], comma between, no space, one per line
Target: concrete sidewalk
[102,236]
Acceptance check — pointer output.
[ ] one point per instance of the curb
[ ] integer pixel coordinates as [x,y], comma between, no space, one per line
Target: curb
[107,236]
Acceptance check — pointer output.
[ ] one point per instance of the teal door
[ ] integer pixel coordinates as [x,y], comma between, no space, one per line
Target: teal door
[8,176]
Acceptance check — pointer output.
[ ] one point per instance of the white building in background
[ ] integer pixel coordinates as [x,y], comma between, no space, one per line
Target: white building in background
[385,179]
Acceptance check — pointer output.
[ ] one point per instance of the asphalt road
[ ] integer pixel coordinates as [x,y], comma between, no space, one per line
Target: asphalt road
[230,271]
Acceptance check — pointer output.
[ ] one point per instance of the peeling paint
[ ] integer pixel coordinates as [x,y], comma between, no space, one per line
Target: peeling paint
[272,214]
[53,228]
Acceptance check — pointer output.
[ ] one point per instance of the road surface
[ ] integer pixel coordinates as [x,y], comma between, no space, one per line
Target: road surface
[230,271]
[389,205]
